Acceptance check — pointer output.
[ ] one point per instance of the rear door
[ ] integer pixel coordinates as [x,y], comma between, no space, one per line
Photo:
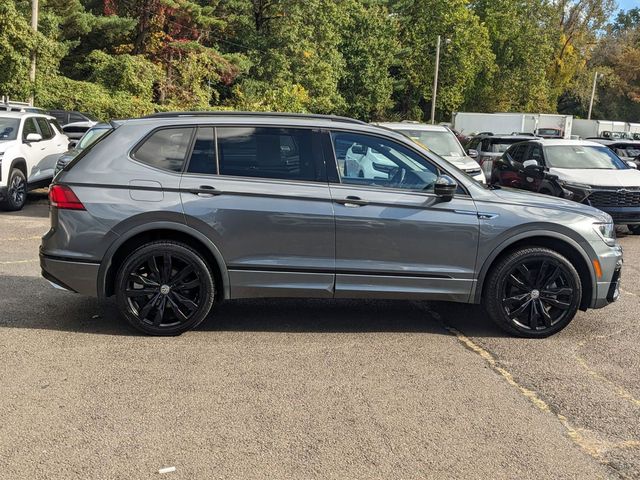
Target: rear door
[262,198]
[394,237]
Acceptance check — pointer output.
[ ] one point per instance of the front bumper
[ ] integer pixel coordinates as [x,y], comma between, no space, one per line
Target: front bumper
[79,277]
[608,287]
[623,215]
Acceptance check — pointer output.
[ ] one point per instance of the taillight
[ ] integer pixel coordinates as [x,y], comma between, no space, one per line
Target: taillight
[63,197]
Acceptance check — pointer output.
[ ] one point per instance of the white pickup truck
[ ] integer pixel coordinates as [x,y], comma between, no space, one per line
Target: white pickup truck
[30,144]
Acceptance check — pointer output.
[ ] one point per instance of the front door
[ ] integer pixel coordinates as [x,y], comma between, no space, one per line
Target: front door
[262,198]
[394,237]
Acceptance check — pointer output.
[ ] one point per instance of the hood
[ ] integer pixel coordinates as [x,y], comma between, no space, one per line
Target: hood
[463,163]
[528,199]
[599,178]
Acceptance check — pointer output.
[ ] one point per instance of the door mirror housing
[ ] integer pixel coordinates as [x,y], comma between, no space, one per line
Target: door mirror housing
[472,153]
[445,188]
[632,164]
[533,168]
[33,137]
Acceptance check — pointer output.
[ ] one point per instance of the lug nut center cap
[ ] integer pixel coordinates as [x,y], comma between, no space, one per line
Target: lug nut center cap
[535,294]
[165,289]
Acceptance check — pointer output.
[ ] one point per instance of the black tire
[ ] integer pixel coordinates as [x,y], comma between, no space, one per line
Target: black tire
[634,229]
[532,292]
[16,191]
[175,294]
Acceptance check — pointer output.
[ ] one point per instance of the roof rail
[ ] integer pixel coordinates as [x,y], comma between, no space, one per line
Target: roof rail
[221,113]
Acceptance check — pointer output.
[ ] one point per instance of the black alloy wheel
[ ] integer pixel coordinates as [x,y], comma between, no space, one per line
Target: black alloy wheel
[165,288]
[16,191]
[535,292]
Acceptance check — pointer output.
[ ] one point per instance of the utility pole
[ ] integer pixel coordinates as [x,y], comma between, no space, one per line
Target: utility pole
[34,27]
[593,93]
[435,79]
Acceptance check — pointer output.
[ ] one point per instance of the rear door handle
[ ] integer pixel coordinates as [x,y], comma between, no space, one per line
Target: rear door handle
[352,201]
[206,191]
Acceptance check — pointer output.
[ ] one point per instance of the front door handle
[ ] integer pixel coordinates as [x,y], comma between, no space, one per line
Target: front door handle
[352,201]
[206,191]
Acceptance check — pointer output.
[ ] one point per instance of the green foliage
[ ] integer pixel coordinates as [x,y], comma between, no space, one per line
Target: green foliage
[371,59]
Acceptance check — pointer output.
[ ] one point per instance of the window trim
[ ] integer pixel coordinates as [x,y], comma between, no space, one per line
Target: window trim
[45,120]
[393,189]
[23,138]
[187,162]
[137,145]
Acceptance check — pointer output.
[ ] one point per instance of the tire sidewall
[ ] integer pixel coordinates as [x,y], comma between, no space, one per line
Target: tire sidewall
[204,272]
[9,204]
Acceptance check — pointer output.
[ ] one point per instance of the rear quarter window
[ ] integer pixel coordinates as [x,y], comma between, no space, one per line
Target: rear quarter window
[165,148]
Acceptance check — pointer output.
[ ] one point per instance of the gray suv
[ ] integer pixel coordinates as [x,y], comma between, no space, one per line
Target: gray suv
[174,212]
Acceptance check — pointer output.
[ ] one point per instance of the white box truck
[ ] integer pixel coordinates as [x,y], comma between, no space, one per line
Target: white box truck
[545,124]
[599,128]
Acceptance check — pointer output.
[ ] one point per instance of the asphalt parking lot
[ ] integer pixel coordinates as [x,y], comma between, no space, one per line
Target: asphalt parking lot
[308,389]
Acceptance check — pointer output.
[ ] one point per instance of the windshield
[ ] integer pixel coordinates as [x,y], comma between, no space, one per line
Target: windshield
[583,156]
[548,131]
[91,136]
[442,142]
[9,128]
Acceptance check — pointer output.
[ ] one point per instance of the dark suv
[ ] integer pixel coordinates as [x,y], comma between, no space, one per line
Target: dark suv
[173,212]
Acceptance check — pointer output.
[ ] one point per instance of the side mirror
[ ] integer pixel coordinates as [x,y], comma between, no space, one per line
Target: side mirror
[632,164]
[472,153]
[33,137]
[531,167]
[72,144]
[445,188]
[531,163]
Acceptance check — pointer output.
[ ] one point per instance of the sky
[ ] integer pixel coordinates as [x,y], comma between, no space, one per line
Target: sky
[628,4]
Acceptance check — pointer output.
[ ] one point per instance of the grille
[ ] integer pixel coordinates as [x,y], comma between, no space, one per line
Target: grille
[615,198]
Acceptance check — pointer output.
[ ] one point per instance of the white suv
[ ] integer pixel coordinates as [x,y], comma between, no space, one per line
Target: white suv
[442,141]
[30,144]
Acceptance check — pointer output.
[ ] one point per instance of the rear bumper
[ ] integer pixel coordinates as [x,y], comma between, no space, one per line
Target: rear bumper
[79,277]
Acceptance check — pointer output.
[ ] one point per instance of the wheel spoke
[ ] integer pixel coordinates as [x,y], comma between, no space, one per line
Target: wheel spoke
[523,270]
[153,268]
[534,315]
[157,320]
[176,309]
[521,308]
[166,268]
[552,278]
[147,282]
[546,318]
[557,291]
[147,308]
[188,285]
[541,274]
[516,282]
[138,292]
[180,276]
[184,301]
[515,301]
[554,302]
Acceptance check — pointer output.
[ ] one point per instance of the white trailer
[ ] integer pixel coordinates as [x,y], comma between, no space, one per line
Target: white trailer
[634,130]
[469,123]
[597,128]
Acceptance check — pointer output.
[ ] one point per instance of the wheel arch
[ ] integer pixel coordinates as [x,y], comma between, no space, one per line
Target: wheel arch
[138,236]
[562,244]
[19,163]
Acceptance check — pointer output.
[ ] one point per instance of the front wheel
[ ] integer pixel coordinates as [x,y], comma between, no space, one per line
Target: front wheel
[165,288]
[16,191]
[533,292]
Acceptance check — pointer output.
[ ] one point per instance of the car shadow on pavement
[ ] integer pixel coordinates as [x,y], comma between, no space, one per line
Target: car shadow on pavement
[48,309]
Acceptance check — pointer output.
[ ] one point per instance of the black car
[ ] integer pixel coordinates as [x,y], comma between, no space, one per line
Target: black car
[71,116]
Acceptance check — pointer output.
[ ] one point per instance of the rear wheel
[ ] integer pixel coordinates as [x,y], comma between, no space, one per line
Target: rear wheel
[165,288]
[634,229]
[16,191]
[533,292]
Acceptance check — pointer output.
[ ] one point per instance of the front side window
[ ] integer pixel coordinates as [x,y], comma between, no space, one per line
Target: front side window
[375,161]
[29,127]
[583,156]
[165,148]
[45,128]
[282,153]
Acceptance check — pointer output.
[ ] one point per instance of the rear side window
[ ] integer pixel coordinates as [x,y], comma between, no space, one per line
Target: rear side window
[45,128]
[203,156]
[74,117]
[283,153]
[165,148]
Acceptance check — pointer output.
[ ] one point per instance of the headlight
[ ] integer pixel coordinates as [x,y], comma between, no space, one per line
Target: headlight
[581,186]
[606,231]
